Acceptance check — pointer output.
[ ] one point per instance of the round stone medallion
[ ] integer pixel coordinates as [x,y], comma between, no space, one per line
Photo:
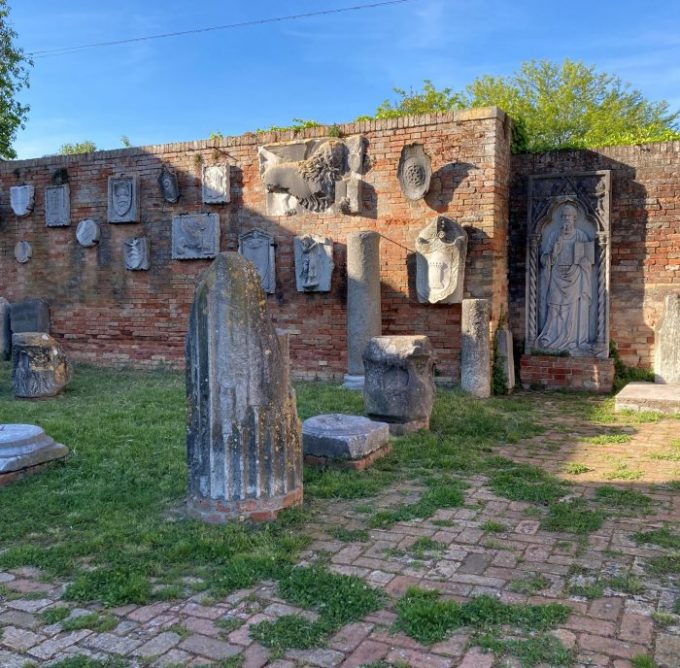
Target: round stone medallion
[88,232]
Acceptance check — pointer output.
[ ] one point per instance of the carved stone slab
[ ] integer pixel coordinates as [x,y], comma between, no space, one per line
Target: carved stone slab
[216,188]
[5,330]
[414,171]
[88,233]
[39,367]
[667,343]
[167,182]
[195,236]
[123,199]
[337,436]
[57,206]
[475,362]
[313,263]
[30,315]
[568,250]
[441,249]
[23,251]
[259,247]
[25,445]
[22,198]
[137,253]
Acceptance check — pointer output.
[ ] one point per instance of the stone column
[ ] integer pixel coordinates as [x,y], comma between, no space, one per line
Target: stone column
[5,331]
[475,366]
[505,356]
[364,317]
[667,343]
[243,442]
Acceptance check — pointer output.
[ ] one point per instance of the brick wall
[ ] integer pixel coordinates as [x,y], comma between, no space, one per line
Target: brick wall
[105,314]
[645,236]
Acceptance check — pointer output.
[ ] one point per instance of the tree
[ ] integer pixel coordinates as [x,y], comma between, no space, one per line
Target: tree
[86,146]
[13,78]
[555,106]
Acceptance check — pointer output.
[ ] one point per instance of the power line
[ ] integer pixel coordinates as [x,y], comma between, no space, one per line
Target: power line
[228,26]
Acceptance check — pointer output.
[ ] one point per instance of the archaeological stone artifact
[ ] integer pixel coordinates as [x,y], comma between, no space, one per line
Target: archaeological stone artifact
[475,359]
[667,343]
[195,236]
[123,199]
[22,199]
[30,315]
[313,263]
[57,206]
[5,329]
[24,447]
[39,367]
[88,233]
[137,253]
[259,248]
[167,182]
[399,385]
[567,279]
[243,441]
[441,250]
[216,188]
[414,171]
[23,251]
[505,361]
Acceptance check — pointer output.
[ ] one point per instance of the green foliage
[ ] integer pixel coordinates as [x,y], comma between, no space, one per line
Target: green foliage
[576,469]
[13,79]
[663,537]
[628,374]
[86,146]
[524,482]
[608,439]
[668,564]
[349,535]
[92,621]
[643,661]
[86,662]
[529,584]
[125,141]
[628,500]
[298,125]
[54,615]
[427,101]
[289,631]
[574,516]
[493,527]
[542,649]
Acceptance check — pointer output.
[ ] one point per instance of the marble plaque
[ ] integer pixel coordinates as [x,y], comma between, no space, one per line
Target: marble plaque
[414,171]
[23,252]
[123,199]
[216,184]
[313,263]
[195,236]
[167,181]
[88,233]
[30,315]
[136,251]
[22,199]
[57,206]
[258,247]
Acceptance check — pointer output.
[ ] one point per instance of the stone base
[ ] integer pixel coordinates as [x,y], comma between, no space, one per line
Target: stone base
[219,511]
[648,397]
[551,372]
[25,446]
[342,437]
[353,382]
[9,478]
[351,464]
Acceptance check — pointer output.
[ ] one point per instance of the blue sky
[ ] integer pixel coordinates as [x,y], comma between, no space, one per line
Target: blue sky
[330,68]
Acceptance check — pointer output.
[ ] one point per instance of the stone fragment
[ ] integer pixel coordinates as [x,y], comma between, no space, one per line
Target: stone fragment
[39,367]
[22,198]
[475,367]
[5,331]
[123,199]
[167,182]
[23,446]
[313,263]
[57,206]
[23,251]
[259,248]
[88,233]
[399,385]
[195,236]
[505,359]
[216,184]
[414,171]
[30,315]
[364,318]
[137,253]
[441,249]
[341,437]
[244,441]
[667,343]
[658,397]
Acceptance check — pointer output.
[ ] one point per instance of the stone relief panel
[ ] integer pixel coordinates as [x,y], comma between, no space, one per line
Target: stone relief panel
[414,171]
[57,206]
[123,199]
[441,249]
[21,199]
[195,236]
[88,233]
[318,175]
[568,249]
[313,263]
[259,248]
[216,184]
[136,252]
[167,182]
[23,252]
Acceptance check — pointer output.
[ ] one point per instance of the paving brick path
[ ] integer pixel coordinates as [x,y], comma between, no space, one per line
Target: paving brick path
[608,631]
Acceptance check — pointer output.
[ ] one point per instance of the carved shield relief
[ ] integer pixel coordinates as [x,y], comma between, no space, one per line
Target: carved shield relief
[136,253]
[123,199]
[21,199]
[258,247]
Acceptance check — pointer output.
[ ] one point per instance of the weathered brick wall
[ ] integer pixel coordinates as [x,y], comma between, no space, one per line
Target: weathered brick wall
[645,236]
[105,314]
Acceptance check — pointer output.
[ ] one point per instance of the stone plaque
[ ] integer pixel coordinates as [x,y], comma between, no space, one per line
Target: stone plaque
[23,251]
[259,247]
[667,343]
[313,263]
[167,182]
[57,206]
[22,198]
[123,199]
[216,184]
[88,233]
[39,367]
[475,358]
[414,171]
[23,446]
[441,249]
[195,236]
[30,315]
[136,252]
[567,281]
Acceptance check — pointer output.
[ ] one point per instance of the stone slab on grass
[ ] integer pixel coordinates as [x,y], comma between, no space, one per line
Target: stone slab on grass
[649,397]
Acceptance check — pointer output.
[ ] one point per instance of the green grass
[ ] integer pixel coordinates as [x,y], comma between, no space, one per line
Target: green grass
[92,621]
[608,439]
[628,584]
[576,469]
[623,472]
[574,516]
[643,661]
[668,564]
[424,547]
[494,527]
[349,535]
[86,662]
[676,606]
[55,614]
[589,591]
[523,482]
[539,650]
[624,500]
[664,619]
[529,584]
[663,537]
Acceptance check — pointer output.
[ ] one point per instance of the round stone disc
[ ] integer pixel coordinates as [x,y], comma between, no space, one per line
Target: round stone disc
[338,436]
[26,445]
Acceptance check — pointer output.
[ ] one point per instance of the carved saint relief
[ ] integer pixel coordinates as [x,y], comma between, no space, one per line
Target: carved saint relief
[216,184]
[22,198]
[440,262]
[313,263]
[258,247]
[88,233]
[123,199]
[57,206]
[136,253]
[195,236]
